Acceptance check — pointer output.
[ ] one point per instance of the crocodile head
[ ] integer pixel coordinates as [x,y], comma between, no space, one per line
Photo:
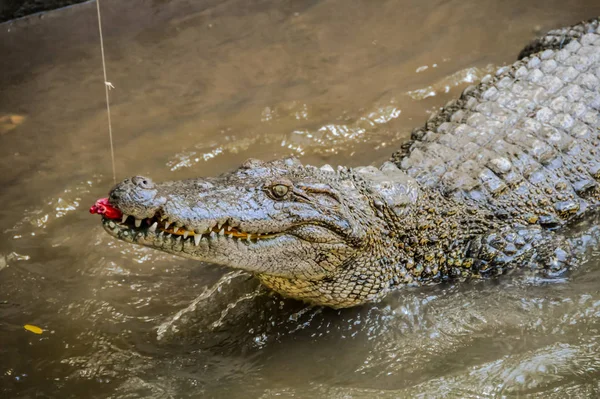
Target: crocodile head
[300,229]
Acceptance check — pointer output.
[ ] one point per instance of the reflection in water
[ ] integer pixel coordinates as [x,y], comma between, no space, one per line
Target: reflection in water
[200,87]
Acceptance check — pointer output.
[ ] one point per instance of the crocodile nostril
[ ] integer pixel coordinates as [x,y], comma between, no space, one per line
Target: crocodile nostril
[143,182]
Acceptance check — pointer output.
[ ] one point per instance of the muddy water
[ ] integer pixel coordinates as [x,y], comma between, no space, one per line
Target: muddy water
[199,87]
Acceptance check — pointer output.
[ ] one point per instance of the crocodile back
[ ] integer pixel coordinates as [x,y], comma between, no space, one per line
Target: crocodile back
[525,142]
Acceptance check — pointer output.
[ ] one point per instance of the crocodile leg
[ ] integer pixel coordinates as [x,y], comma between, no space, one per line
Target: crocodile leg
[499,251]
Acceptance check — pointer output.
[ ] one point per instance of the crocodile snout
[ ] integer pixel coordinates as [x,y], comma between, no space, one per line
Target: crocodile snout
[137,196]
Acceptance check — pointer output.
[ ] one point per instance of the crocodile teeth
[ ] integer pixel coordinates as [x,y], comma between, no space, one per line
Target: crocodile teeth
[138,222]
[175,229]
[178,239]
[185,234]
[153,227]
[222,232]
[124,219]
[167,224]
[248,238]
[213,235]
[220,224]
[228,227]
[197,239]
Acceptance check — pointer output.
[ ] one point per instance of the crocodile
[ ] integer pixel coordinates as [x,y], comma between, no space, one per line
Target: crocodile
[487,186]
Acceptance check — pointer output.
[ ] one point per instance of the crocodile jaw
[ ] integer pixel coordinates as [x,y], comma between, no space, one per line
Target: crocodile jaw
[254,252]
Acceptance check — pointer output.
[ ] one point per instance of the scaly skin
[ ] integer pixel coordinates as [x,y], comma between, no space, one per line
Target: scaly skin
[479,190]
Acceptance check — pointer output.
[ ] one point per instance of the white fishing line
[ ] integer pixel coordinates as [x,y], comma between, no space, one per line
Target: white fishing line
[107,87]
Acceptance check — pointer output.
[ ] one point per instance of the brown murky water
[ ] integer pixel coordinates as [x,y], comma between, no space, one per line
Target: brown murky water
[200,87]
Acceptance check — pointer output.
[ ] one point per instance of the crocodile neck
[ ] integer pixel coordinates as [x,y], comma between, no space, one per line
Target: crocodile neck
[426,244]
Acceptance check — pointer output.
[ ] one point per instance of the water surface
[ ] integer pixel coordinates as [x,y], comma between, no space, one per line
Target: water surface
[200,86]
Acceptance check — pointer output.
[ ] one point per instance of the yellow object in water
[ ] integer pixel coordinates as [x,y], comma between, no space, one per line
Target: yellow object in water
[10,122]
[33,329]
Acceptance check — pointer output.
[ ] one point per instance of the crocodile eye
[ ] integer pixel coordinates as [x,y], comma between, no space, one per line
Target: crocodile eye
[279,190]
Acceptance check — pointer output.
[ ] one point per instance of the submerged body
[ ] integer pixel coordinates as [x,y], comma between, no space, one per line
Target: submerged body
[481,189]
